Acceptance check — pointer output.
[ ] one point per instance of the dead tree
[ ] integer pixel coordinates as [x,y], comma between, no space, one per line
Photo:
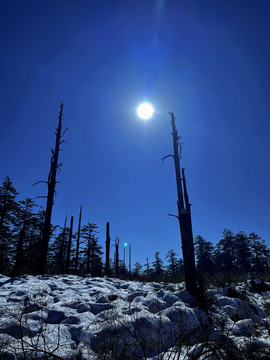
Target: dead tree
[129,259]
[78,241]
[116,263]
[108,241]
[51,182]
[184,214]
[62,247]
[69,246]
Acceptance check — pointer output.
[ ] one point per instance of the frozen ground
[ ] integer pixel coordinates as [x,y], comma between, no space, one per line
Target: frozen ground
[69,317]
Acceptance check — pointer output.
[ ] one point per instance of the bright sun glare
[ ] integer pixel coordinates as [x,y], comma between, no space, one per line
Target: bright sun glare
[145,111]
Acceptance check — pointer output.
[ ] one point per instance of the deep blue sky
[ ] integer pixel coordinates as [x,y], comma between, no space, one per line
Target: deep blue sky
[208,61]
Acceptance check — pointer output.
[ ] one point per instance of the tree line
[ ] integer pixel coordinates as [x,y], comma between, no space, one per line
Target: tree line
[30,243]
[78,251]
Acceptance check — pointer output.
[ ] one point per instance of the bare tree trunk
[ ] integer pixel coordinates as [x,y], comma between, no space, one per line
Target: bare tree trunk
[78,241]
[184,215]
[69,246]
[117,256]
[62,247]
[41,265]
[129,259]
[108,239]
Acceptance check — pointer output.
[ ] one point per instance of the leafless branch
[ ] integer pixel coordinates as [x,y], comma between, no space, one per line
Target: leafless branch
[162,159]
[42,181]
[63,133]
[55,227]
[174,216]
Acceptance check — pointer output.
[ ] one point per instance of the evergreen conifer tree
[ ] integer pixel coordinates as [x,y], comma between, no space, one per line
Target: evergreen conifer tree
[92,251]
[172,265]
[25,224]
[157,265]
[204,251]
[8,211]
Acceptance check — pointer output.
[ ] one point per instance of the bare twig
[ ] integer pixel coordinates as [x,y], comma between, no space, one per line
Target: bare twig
[165,157]
[41,181]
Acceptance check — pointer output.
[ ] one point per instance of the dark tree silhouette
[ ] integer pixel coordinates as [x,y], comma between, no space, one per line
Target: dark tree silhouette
[25,224]
[137,270]
[108,240]
[116,257]
[225,254]
[242,252]
[69,246]
[260,254]
[51,182]
[8,213]
[157,265]
[78,241]
[148,270]
[184,213]
[92,250]
[172,264]
[204,255]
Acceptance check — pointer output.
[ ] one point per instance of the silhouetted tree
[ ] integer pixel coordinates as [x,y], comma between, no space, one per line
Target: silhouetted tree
[78,241]
[184,214]
[123,271]
[69,246]
[260,254]
[8,210]
[242,252]
[25,224]
[108,239]
[51,182]
[157,265]
[59,251]
[137,270]
[205,255]
[225,257]
[116,257]
[172,264]
[31,251]
[147,266]
[92,251]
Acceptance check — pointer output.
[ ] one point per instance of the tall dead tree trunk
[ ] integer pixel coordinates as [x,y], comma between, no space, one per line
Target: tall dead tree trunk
[117,256]
[69,246]
[129,258]
[62,247]
[184,214]
[108,240]
[51,182]
[78,241]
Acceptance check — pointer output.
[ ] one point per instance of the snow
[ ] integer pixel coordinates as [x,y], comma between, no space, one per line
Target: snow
[69,316]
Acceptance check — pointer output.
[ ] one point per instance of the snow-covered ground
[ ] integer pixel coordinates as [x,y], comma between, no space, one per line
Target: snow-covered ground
[69,317]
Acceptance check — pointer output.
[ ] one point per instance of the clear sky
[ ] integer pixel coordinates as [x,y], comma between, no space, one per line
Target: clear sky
[208,61]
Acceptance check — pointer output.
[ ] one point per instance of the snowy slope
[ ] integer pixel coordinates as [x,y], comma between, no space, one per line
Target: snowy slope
[70,317]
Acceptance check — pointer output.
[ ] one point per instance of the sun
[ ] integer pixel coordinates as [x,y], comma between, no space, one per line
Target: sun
[145,111]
